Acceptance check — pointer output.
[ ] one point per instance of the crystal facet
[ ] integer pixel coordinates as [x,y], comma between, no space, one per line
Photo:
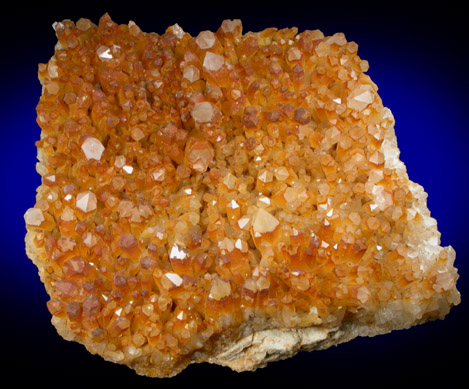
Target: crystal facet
[86,201]
[34,217]
[203,112]
[205,40]
[213,62]
[92,148]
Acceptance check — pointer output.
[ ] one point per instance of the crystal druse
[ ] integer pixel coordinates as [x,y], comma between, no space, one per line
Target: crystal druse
[225,198]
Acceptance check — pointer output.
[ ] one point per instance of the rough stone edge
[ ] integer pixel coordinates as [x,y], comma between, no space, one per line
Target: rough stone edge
[258,349]
[433,242]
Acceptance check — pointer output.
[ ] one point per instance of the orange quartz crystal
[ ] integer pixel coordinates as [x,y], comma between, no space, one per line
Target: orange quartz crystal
[205,197]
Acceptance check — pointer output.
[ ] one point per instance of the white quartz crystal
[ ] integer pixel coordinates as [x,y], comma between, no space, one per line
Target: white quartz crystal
[92,148]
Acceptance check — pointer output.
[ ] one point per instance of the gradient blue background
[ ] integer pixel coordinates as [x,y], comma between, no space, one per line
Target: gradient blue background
[417,59]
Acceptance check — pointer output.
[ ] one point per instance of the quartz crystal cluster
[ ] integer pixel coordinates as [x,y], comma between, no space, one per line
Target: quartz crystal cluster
[230,198]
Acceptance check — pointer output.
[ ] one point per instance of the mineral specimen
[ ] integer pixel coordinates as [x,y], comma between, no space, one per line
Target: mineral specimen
[226,198]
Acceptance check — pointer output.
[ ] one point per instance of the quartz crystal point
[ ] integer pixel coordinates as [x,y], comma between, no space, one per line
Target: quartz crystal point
[226,198]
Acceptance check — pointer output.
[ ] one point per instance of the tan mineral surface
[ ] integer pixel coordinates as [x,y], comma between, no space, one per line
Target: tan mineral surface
[225,198]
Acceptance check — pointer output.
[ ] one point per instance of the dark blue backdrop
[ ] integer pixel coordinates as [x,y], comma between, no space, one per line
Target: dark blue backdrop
[417,59]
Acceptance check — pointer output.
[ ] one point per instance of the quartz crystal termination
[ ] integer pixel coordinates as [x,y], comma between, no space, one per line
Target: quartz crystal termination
[226,198]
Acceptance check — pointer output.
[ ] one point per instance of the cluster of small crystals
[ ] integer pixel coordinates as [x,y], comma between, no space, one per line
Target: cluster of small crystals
[192,184]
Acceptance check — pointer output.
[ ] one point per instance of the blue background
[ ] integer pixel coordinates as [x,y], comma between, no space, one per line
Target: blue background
[417,59]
